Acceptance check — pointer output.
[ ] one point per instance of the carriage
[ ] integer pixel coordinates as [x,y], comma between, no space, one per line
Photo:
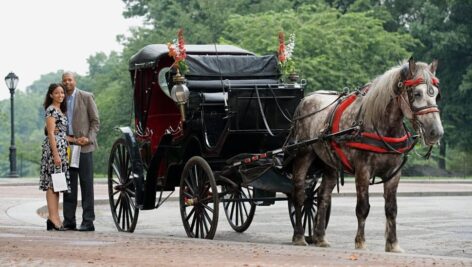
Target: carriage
[230,131]
[218,135]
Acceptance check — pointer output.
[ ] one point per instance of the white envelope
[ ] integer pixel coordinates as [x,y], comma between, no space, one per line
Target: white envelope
[75,156]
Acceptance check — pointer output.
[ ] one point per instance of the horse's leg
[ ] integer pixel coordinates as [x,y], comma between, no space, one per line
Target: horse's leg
[324,202]
[362,207]
[301,164]
[390,196]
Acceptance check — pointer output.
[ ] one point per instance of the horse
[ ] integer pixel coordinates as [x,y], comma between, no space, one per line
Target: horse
[376,147]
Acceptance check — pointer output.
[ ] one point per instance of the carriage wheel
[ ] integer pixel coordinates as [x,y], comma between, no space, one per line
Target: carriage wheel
[309,209]
[122,188]
[239,213]
[198,199]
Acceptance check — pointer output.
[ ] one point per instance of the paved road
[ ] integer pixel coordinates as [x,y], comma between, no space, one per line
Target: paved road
[434,224]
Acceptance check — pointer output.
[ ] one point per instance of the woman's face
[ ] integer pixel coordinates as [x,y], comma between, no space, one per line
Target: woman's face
[57,95]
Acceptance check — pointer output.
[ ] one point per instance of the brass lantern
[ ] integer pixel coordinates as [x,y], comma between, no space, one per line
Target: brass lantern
[180,93]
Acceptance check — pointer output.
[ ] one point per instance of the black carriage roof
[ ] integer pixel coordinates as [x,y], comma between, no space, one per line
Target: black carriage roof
[148,55]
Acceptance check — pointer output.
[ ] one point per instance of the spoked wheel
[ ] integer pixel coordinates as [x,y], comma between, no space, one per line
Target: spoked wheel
[122,188]
[198,199]
[309,209]
[239,210]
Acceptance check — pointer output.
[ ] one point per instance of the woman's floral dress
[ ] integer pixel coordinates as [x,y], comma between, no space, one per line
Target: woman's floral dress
[47,160]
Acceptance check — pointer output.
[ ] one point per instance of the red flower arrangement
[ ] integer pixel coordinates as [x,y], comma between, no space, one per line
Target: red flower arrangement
[178,52]
[281,51]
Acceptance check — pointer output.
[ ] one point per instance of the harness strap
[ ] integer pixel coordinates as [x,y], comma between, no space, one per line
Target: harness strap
[374,143]
[335,128]
[366,141]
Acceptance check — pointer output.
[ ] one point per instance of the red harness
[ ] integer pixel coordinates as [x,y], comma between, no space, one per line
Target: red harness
[368,141]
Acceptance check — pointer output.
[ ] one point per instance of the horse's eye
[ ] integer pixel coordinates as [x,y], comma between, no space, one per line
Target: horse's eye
[417,95]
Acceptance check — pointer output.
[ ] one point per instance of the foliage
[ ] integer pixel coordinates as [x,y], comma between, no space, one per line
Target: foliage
[339,43]
[29,123]
[337,50]
[444,29]
[109,79]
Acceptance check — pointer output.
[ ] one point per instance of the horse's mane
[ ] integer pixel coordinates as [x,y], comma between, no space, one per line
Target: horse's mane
[382,90]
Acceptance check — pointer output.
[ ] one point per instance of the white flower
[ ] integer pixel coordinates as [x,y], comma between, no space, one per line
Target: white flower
[176,46]
[290,46]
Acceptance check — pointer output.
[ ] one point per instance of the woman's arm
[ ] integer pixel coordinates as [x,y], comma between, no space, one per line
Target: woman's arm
[50,126]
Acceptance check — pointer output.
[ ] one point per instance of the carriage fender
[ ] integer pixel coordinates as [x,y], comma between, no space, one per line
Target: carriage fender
[136,163]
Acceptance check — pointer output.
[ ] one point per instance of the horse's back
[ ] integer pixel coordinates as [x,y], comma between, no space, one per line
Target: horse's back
[318,100]
[312,112]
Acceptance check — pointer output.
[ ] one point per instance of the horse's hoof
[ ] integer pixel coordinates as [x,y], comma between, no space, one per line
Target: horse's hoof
[361,246]
[322,244]
[395,248]
[299,241]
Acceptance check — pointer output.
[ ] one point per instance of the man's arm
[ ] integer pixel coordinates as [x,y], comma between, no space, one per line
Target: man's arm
[94,119]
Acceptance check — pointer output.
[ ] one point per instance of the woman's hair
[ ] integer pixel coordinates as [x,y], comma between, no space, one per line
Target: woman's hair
[48,98]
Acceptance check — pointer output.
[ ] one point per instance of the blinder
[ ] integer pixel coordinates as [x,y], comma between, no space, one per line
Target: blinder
[410,84]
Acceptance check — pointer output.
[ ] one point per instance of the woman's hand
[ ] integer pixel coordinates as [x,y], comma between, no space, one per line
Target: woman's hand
[57,160]
[71,139]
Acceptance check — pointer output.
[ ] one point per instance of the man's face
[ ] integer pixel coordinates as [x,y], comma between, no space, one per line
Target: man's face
[68,81]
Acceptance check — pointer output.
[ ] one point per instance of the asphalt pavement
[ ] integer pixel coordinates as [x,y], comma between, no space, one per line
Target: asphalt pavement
[22,206]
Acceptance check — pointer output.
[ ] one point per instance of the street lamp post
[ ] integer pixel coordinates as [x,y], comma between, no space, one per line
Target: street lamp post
[12,81]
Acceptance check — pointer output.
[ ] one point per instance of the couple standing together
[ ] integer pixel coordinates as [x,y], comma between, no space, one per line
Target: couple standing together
[71,118]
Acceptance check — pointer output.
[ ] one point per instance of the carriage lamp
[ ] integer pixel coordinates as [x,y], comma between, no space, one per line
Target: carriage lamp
[180,93]
[12,81]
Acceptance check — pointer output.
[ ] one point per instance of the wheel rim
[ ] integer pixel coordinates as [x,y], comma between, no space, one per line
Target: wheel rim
[239,213]
[121,188]
[309,210]
[308,213]
[198,199]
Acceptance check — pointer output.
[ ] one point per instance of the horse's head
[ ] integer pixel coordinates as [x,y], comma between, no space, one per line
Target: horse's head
[418,94]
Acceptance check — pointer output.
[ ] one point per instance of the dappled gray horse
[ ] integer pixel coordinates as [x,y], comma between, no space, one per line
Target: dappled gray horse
[407,91]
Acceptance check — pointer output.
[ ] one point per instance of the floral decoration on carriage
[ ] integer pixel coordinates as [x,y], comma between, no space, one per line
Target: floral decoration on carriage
[179,92]
[285,52]
[178,53]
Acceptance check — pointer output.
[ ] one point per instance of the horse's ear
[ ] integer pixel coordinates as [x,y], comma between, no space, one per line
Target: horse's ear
[433,66]
[411,67]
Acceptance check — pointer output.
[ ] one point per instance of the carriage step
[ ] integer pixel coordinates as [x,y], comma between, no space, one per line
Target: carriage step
[273,181]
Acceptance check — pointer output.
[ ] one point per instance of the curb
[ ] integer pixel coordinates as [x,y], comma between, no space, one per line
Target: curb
[42,211]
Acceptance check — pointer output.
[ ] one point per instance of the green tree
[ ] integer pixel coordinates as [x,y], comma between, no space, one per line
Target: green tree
[29,123]
[109,80]
[332,50]
[444,27]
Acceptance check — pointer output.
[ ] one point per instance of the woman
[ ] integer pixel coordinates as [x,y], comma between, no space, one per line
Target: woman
[54,156]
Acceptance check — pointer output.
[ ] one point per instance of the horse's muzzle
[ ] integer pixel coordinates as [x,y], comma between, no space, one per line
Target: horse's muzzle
[434,134]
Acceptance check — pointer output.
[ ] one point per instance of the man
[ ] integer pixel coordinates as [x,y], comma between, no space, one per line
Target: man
[84,124]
